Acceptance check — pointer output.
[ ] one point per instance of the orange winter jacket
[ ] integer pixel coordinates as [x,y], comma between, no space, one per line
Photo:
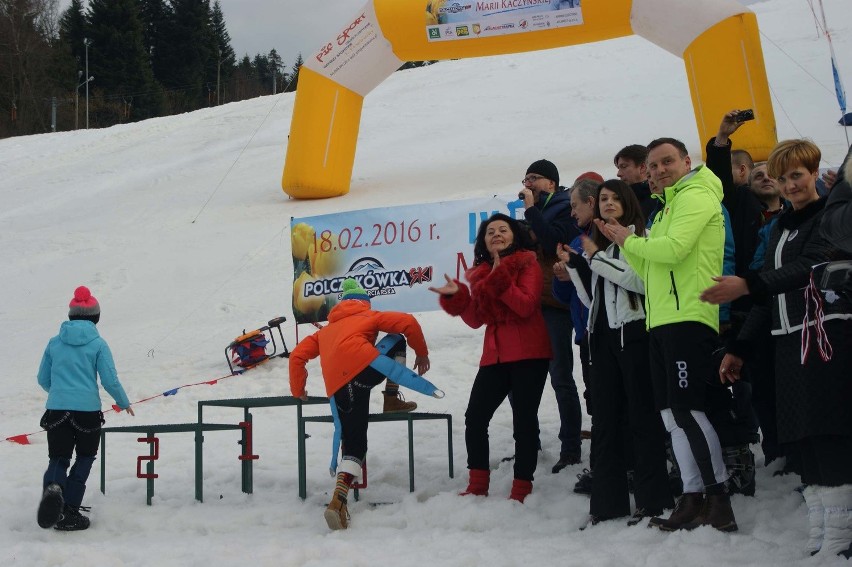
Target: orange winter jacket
[346,346]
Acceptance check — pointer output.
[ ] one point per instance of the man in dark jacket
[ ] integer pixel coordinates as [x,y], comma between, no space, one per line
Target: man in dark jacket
[837,219]
[743,206]
[631,168]
[548,211]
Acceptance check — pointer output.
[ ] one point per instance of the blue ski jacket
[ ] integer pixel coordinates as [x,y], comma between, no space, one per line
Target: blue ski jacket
[70,366]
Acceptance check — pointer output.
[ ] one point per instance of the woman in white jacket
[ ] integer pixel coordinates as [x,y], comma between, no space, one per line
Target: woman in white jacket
[623,402]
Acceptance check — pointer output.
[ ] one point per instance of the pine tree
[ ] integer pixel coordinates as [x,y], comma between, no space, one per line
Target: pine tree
[189,54]
[262,71]
[276,65]
[294,76]
[72,30]
[120,63]
[27,32]
[226,58]
[153,14]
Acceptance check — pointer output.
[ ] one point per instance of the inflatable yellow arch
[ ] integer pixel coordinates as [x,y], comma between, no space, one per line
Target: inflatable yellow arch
[718,41]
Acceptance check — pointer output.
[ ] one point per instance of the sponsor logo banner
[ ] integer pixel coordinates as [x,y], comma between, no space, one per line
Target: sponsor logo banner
[395,253]
[448,20]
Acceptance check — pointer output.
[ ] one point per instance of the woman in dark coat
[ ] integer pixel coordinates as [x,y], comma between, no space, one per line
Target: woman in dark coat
[505,296]
[812,328]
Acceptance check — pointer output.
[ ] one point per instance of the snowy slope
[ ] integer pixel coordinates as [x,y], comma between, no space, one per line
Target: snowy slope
[181,229]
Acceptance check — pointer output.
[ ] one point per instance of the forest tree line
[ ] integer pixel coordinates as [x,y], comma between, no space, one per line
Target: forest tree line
[145,58]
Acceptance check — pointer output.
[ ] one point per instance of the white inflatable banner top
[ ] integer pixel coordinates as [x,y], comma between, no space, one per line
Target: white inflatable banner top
[359,57]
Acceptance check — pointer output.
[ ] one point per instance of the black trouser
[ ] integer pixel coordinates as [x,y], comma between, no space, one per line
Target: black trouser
[525,380]
[625,418]
[588,382]
[681,367]
[826,460]
[68,431]
[353,406]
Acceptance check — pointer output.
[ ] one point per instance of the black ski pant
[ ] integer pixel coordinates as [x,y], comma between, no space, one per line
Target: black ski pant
[625,419]
[681,367]
[525,380]
[353,408]
[69,432]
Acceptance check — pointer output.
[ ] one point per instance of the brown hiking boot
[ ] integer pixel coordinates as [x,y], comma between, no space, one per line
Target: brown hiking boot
[337,514]
[716,512]
[395,403]
[686,510]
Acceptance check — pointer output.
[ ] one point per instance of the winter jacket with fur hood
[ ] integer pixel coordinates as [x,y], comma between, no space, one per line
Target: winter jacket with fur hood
[507,300]
[346,346]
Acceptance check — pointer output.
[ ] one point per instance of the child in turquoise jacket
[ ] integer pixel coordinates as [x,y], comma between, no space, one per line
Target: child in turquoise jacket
[69,372]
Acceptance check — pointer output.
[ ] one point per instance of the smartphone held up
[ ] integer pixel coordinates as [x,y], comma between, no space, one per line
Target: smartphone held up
[744,115]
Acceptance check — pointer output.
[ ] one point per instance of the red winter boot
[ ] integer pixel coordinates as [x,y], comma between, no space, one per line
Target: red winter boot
[520,490]
[478,483]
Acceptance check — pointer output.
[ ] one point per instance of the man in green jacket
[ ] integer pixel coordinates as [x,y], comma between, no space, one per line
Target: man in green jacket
[677,261]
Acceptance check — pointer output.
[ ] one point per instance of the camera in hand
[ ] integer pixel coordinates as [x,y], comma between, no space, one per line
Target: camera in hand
[744,115]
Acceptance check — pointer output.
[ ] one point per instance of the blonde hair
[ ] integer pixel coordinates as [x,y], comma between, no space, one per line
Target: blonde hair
[793,153]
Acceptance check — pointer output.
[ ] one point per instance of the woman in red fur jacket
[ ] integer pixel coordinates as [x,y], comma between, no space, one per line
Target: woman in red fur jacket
[505,296]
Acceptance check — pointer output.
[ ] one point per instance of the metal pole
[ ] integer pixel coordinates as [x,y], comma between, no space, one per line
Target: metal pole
[53,114]
[86,43]
[77,101]
[218,75]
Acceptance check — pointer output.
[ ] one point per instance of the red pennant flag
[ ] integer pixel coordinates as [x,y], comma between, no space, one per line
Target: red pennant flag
[20,439]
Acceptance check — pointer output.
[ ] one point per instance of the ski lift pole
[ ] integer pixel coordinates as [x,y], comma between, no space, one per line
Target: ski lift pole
[838,82]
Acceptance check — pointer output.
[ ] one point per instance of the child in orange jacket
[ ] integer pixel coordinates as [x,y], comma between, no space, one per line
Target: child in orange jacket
[347,351]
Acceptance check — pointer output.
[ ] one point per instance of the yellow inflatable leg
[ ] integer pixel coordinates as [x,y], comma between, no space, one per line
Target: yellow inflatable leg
[323,133]
[725,69]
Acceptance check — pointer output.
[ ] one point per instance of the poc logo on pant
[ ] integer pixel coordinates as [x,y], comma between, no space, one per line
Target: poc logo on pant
[682,374]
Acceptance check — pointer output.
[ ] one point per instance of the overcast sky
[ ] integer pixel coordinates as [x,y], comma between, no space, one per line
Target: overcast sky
[288,26]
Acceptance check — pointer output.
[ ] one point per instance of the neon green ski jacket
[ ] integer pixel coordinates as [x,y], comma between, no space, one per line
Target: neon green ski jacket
[682,252]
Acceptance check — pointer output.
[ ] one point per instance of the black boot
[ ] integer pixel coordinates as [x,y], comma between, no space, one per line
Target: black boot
[642,513]
[50,508]
[566,459]
[72,520]
[739,461]
[584,482]
[688,506]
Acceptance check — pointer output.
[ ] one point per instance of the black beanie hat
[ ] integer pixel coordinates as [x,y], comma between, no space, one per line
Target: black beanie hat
[546,169]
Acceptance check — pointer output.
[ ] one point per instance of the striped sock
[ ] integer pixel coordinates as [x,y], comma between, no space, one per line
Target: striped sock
[341,489]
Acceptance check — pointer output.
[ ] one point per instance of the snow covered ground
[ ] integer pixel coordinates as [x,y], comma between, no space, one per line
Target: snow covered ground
[180,228]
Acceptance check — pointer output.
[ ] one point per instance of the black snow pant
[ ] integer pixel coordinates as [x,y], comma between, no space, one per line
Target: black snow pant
[353,407]
[625,418]
[525,380]
[69,432]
